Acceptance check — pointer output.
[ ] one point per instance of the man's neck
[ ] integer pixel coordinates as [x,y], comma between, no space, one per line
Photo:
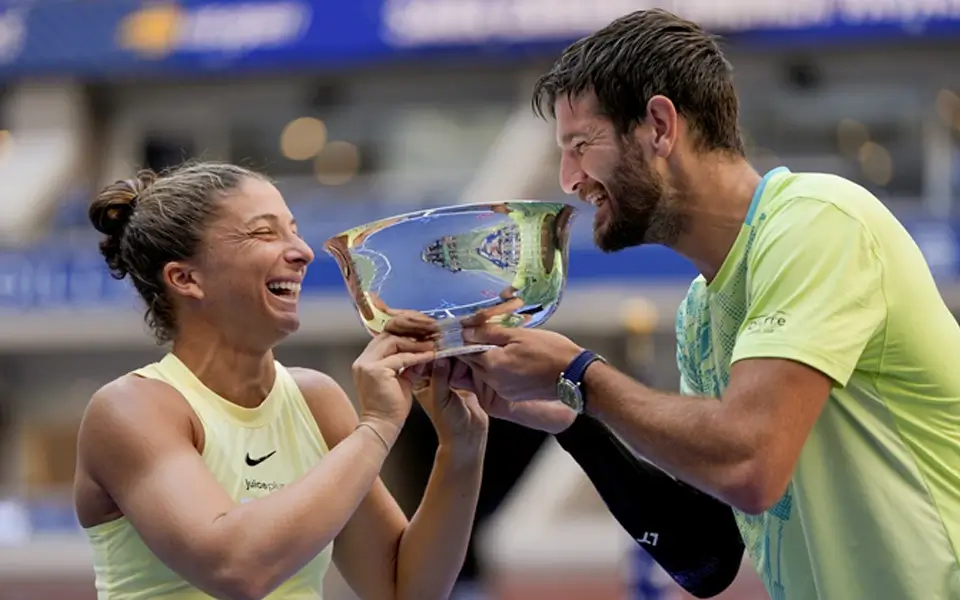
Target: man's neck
[717,197]
[242,376]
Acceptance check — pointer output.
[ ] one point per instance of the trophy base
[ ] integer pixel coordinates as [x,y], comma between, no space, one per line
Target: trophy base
[453,344]
[461,350]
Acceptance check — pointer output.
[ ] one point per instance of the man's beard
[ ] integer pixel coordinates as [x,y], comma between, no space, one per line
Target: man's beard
[641,208]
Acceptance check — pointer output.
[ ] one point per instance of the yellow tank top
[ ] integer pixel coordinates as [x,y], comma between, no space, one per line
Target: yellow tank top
[251,452]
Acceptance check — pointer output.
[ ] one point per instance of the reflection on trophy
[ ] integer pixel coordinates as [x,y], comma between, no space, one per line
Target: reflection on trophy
[504,263]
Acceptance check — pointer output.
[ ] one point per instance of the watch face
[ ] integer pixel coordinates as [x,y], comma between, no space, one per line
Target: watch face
[569,393]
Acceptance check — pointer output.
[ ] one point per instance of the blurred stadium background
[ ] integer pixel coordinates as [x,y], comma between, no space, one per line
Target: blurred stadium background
[367,108]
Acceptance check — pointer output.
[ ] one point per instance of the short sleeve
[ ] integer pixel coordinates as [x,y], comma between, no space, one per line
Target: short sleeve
[814,290]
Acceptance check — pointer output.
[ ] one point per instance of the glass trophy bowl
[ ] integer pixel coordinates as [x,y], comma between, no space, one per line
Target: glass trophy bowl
[504,263]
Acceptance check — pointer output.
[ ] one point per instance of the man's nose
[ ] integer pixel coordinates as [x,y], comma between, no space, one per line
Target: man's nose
[571,174]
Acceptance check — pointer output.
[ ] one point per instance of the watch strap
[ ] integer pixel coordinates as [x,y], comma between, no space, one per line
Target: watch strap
[578,366]
[574,375]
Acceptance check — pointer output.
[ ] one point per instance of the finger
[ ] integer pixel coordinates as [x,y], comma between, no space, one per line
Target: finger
[460,376]
[391,344]
[386,339]
[440,369]
[484,362]
[422,370]
[489,394]
[417,376]
[467,397]
[376,345]
[413,324]
[484,402]
[483,316]
[477,319]
[487,400]
[405,360]
[425,374]
[440,380]
[490,334]
[411,316]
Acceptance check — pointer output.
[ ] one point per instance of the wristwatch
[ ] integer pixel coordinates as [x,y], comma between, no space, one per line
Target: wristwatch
[570,382]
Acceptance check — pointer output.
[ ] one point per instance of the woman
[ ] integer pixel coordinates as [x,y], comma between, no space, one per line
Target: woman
[219,472]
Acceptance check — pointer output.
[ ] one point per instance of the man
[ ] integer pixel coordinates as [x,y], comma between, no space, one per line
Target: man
[820,394]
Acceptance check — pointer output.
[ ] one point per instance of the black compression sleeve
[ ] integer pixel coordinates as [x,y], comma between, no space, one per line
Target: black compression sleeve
[691,535]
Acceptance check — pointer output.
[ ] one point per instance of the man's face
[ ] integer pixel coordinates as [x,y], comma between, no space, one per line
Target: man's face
[634,204]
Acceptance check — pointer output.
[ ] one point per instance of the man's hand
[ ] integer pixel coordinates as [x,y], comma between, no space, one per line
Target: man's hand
[545,415]
[527,364]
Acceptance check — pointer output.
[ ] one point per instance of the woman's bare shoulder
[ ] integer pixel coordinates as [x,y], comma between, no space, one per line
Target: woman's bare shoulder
[132,405]
[133,395]
[328,402]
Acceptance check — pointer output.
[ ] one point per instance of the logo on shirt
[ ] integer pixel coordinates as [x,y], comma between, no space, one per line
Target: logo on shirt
[256,485]
[252,462]
[767,323]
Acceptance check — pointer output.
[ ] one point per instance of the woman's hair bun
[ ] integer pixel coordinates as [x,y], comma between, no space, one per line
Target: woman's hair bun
[110,213]
[114,205]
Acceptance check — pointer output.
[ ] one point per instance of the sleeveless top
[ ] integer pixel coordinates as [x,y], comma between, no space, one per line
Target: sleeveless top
[251,452]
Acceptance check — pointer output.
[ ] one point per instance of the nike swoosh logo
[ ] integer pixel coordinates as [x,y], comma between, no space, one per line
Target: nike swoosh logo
[256,461]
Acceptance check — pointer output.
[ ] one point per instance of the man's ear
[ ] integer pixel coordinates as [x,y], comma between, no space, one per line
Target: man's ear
[663,121]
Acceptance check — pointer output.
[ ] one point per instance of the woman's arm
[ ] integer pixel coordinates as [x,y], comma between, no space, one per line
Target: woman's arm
[136,441]
[380,553]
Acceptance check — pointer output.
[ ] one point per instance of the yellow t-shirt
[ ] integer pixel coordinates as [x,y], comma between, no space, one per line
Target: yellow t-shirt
[823,274]
[251,452]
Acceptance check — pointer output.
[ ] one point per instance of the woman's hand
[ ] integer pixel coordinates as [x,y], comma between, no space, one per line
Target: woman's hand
[383,394]
[455,413]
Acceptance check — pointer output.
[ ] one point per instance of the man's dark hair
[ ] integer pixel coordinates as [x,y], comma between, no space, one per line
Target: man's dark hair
[641,55]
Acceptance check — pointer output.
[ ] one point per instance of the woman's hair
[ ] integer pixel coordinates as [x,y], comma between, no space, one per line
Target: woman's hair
[153,219]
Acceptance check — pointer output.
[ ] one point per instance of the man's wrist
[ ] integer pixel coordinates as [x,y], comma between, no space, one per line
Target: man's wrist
[570,384]
[563,360]
[594,373]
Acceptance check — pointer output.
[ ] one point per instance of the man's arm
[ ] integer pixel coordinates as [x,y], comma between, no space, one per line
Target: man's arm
[691,535]
[741,449]
[815,303]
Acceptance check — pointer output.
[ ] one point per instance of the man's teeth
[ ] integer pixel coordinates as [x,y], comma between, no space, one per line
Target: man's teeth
[284,286]
[596,198]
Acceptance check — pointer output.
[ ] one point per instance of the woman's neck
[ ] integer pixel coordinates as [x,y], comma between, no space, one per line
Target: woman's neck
[242,376]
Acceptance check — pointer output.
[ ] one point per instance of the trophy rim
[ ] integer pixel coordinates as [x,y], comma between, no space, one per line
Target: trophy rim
[445,209]
[339,245]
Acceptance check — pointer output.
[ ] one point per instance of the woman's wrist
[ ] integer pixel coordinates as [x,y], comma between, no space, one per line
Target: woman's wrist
[463,451]
[384,430]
